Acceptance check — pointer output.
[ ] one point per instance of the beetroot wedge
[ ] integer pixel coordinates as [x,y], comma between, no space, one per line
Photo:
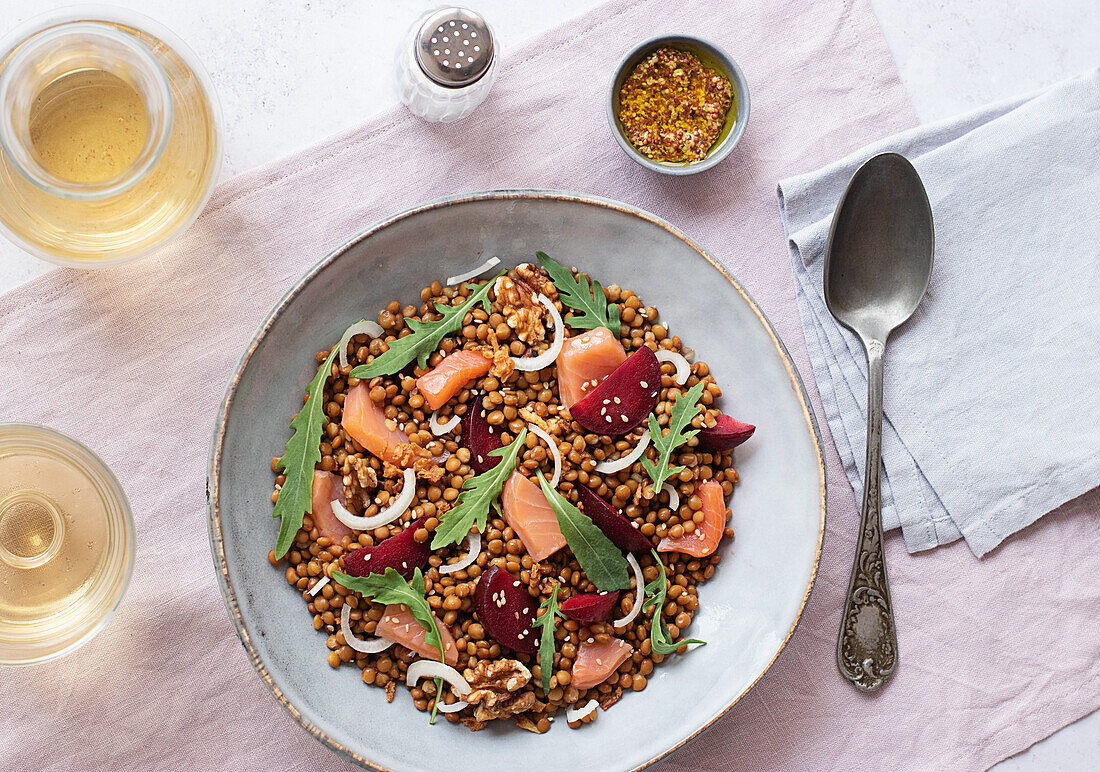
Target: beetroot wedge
[506,610]
[623,399]
[590,606]
[728,433]
[402,553]
[612,522]
[479,437]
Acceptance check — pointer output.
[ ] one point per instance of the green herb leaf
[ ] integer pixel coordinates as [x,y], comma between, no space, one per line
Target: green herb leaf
[590,307]
[684,409]
[655,599]
[425,337]
[548,621]
[601,560]
[303,453]
[478,494]
[391,587]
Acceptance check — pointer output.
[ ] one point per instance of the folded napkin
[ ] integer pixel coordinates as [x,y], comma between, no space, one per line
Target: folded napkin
[992,400]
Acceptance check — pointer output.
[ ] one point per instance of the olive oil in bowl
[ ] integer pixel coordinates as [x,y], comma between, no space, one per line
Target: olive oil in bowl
[66,544]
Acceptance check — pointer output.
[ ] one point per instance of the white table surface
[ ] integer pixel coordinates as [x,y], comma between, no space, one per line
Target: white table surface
[291,72]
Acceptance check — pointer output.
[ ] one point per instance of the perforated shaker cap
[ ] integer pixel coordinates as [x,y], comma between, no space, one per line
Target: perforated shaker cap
[454,47]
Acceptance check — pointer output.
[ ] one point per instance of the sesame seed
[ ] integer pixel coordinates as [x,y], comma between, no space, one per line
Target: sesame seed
[607,401]
[644,385]
[609,419]
[603,411]
[617,400]
[599,661]
[623,416]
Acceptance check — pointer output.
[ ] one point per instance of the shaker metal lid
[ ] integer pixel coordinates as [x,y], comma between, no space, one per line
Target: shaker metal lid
[454,47]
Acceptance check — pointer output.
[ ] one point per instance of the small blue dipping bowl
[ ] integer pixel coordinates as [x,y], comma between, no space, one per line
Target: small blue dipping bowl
[711,56]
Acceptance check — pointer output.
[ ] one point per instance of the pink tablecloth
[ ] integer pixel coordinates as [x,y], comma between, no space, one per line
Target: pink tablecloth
[995,654]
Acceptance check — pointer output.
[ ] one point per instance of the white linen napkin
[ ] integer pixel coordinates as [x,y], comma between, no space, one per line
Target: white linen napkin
[992,396]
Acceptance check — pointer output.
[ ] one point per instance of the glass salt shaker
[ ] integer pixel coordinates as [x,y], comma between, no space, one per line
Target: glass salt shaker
[446,64]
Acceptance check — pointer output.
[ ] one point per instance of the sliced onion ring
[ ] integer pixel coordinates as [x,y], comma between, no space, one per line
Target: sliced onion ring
[683,369]
[577,714]
[546,358]
[359,644]
[430,668]
[317,587]
[443,707]
[673,497]
[619,464]
[438,428]
[473,547]
[639,592]
[544,435]
[396,508]
[374,329]
[492,261]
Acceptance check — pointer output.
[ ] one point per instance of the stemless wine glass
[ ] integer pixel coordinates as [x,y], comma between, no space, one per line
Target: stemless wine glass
[67,544]
[90,223]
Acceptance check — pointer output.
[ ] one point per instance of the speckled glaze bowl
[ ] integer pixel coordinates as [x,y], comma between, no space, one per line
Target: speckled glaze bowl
[711,56]
[749,608]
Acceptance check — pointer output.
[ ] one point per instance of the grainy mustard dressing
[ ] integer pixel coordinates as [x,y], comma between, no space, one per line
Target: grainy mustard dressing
[673,107]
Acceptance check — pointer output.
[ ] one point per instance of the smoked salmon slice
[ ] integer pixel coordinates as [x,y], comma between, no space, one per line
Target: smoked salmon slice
[368,425]
[327,488]
[596,661]
[400,626]
[450,376]
[590,356]
[530,515]
[704,539]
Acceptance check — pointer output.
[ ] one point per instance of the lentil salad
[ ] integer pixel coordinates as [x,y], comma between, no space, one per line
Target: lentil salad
[600,635]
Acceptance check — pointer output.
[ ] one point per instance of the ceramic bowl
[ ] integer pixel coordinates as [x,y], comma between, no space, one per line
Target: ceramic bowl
[711,56]
[749,608]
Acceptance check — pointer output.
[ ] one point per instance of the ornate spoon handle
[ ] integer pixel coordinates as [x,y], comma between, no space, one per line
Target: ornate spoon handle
[867,650]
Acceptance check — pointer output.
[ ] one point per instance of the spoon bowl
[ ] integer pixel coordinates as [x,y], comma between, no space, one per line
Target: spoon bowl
[877,267]
[879,258]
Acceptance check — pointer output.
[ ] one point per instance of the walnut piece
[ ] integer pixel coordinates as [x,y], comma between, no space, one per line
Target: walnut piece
[607,700]
[358,485]
[503,364]
[520,310]
[494,689]
[536,278]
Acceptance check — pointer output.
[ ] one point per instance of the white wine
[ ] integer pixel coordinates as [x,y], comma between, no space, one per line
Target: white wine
[88,126]
[110,137]
[66,543]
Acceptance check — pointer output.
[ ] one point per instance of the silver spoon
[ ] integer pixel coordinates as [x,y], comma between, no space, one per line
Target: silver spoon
[877,268]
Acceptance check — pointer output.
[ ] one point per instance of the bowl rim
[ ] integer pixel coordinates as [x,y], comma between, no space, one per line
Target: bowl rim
[217,546]
[725,147]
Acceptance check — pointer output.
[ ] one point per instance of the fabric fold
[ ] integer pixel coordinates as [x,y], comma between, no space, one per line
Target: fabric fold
[980,438]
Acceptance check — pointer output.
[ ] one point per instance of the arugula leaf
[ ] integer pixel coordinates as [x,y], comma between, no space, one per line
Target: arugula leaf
[391,587]
[547,622]
[590,307]
[478,494]
[655,591]
[303,452]
[425,337]
[684,409]
[601,560]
